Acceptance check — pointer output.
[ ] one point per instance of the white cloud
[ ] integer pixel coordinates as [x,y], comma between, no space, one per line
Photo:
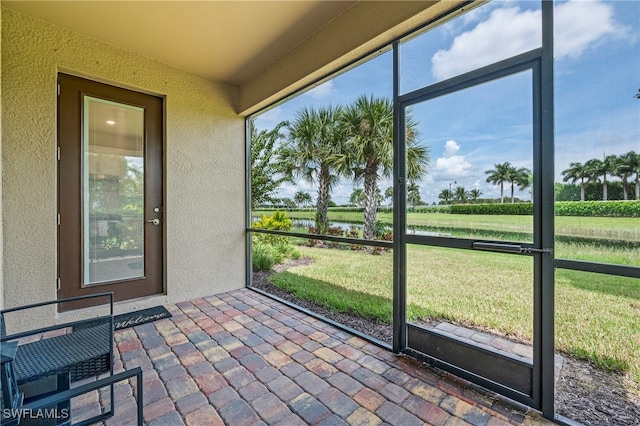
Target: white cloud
[324,91]
[451,165]
[580,25]
[508,31]
[451,148]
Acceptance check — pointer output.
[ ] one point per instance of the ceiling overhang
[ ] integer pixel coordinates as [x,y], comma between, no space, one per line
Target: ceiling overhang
[267,49]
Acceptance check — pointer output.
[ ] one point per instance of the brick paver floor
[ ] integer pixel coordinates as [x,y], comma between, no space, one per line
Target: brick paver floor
[240,358]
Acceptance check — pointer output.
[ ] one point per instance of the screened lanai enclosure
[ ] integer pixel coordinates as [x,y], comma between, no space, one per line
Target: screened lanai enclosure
[468,195]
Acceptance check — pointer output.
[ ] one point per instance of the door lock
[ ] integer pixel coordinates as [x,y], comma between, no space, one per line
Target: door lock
[154,221]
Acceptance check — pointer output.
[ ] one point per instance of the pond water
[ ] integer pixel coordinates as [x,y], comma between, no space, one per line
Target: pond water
[347,226]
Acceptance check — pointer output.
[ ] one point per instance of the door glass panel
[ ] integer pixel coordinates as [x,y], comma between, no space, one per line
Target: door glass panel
[482,298]
[113,191]
[480,178]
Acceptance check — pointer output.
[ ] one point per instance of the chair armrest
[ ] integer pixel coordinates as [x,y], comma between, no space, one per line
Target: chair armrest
[4,337]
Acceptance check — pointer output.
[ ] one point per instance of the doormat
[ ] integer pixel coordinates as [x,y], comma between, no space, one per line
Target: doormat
[143,316]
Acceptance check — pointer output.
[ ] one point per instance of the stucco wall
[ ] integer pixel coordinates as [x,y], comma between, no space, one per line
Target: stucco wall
[204,210]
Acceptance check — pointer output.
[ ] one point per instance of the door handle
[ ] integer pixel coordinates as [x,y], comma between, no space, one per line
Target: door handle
[154,221]
[509,248]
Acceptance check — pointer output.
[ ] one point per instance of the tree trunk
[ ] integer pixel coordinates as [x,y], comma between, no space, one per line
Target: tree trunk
[604,188]
[582,190]
[637,188]
[625,189]
[512,190]
[501,193]
[322,222]
[370,207]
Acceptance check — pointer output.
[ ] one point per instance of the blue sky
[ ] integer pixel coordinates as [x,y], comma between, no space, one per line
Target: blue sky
[597,74]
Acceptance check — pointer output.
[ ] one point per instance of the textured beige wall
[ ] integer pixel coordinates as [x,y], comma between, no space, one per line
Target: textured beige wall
[204,210]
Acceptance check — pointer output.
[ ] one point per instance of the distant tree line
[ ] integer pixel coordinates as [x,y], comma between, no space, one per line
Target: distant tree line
[596,173]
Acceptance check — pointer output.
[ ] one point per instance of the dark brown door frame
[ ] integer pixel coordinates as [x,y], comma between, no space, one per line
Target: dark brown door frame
[70,228]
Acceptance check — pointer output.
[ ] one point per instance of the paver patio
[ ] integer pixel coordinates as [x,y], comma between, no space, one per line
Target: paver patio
[241,358]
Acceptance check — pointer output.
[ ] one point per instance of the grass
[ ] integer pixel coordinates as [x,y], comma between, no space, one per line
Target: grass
[597,316]
[358,283]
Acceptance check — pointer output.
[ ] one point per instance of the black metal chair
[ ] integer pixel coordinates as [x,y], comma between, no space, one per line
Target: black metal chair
[84,350]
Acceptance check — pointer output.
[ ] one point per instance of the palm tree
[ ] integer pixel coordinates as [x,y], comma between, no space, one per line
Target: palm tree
[597,168]
[461,194]
[314,137]
[388,195]
[302,198]
[633,159]
[413,195]
[379,197]
[368,123]
[594,169]
[475,194]
[521,178]
[499,175]
[625,167]
[577,172]
[445,195]
[357,197]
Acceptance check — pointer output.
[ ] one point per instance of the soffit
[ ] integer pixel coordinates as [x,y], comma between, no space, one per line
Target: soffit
[225,41]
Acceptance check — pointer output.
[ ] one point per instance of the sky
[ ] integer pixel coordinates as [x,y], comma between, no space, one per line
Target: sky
[596,74]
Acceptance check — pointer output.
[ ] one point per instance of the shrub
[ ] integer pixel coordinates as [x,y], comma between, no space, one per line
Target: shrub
[263,257]
[598,208]
[278,221]
[335,231]
[271,249]
[562,208]
[313,241]
[510,209]
[433,209]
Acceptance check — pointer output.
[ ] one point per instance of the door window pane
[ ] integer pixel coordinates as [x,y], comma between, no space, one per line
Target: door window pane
[480,297]
[480,181]
[113,191]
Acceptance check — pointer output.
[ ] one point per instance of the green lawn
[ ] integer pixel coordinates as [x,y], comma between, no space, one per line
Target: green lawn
[597,316]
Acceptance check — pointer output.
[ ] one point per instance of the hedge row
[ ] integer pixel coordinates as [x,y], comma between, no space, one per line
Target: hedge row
[511,209]
[562,208]
[598,208]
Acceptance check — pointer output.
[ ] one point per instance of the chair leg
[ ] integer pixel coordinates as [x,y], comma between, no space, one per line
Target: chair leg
[64,383]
